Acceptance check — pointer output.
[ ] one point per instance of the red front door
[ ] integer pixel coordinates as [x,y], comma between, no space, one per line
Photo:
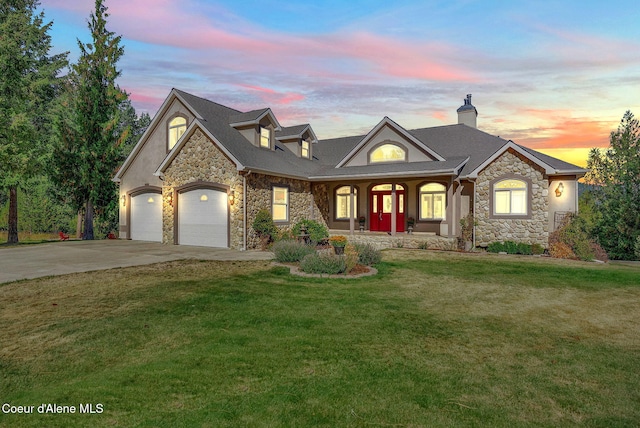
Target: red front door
[380,209]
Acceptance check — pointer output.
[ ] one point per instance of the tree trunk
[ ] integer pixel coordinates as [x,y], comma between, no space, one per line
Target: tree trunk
[12,237]
[79,224]
[88,222]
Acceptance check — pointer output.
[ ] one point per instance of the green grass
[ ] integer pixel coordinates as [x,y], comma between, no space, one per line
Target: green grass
[435,339]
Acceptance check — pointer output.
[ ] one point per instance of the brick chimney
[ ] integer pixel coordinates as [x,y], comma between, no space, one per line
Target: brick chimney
[467,113]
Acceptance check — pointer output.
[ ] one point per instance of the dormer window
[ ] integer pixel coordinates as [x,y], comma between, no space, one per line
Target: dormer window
[387,153]
[265,137]
[305,151]
[177,126]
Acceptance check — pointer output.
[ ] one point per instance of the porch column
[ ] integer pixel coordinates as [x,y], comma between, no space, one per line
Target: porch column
[394,208]
[352,221]
[449,213]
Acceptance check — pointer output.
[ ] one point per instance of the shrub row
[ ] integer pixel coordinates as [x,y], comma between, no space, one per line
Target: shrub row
[511,247]
[289,251]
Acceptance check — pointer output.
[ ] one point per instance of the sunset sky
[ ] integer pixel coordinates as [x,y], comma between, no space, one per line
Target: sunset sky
[556,76]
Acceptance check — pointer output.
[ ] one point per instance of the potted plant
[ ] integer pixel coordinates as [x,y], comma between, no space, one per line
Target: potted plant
[410,222]
[338,242]
[361,220]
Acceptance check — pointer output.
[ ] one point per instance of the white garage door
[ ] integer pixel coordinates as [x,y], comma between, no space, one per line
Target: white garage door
[146,217]
[202,218]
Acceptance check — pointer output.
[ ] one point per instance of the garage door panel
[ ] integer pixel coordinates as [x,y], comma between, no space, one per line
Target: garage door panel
[146,217]
[203,218]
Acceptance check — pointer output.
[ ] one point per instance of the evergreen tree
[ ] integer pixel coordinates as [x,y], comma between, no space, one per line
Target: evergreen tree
[28,85]
[89,137]
[616,176]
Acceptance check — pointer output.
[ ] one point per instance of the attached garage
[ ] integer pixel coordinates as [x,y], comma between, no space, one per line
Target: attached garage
[203,217]
[146,217]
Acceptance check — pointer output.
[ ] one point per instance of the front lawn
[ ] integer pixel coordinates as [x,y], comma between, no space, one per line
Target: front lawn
[435,339]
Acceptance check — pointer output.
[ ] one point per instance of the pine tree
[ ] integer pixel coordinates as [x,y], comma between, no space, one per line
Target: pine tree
[616,176]
[28,85]
[88,132]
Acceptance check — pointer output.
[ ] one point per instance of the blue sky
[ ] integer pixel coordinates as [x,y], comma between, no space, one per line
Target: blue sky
[556,76]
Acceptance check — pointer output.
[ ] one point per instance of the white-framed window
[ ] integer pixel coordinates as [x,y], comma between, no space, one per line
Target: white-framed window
[387,153]
[433,201]
[265,137]
[280,204]
[510,197]
[343,202]
[177,126]
[305,151]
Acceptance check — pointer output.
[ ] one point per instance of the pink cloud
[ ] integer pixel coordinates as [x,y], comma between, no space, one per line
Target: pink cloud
[272,97]
[243,46]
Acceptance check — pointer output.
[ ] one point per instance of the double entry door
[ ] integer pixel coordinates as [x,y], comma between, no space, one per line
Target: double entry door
[381,207]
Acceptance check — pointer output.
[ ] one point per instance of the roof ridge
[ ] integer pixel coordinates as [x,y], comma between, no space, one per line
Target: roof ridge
[206,100]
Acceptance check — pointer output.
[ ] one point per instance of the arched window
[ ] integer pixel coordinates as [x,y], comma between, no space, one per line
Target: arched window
[433,201]
[343,202]
[387,153]
[510,197]
[177,126]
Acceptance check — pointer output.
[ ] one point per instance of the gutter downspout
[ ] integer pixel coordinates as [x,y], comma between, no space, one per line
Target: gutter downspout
[244,209]
[473,207]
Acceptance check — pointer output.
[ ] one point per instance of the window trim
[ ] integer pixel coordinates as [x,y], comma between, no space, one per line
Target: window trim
[419,202]
[269,137]
[302,148]
[287,204]
[390,143]
[335,202]
[169,128]
[528,197]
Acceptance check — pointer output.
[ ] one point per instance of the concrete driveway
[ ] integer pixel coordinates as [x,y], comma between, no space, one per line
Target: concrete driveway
[58,258]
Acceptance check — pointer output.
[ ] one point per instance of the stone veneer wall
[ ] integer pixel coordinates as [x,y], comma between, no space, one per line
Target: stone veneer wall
[201,160]
[259,196]
[530,231]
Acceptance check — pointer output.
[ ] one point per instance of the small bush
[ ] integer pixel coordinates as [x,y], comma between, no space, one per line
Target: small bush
[323,263]
[537,249]
[560,250]
[350,257]
[368,254]
[264,226]
[525,249]
[317,231]
[424,245]
[599,253]
[496,247]
[637,248]
[288,251]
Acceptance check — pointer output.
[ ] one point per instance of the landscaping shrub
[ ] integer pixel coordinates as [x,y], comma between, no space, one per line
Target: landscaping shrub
[496,247]
[265,227]
[424,245]
[573,233]
[511,247]
[537,249]
[323,263]
[317,231]
[368,254]
[599,253]
[289,251]
[350,257]
[561,250]
[637,248]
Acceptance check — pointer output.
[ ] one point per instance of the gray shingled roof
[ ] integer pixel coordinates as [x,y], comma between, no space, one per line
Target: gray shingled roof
[464,148]
[291,131]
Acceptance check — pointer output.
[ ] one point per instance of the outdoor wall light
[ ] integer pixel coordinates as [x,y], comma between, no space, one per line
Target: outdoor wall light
[204,197]
[170,199]
[124,200]
[559,190]
[232,197]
